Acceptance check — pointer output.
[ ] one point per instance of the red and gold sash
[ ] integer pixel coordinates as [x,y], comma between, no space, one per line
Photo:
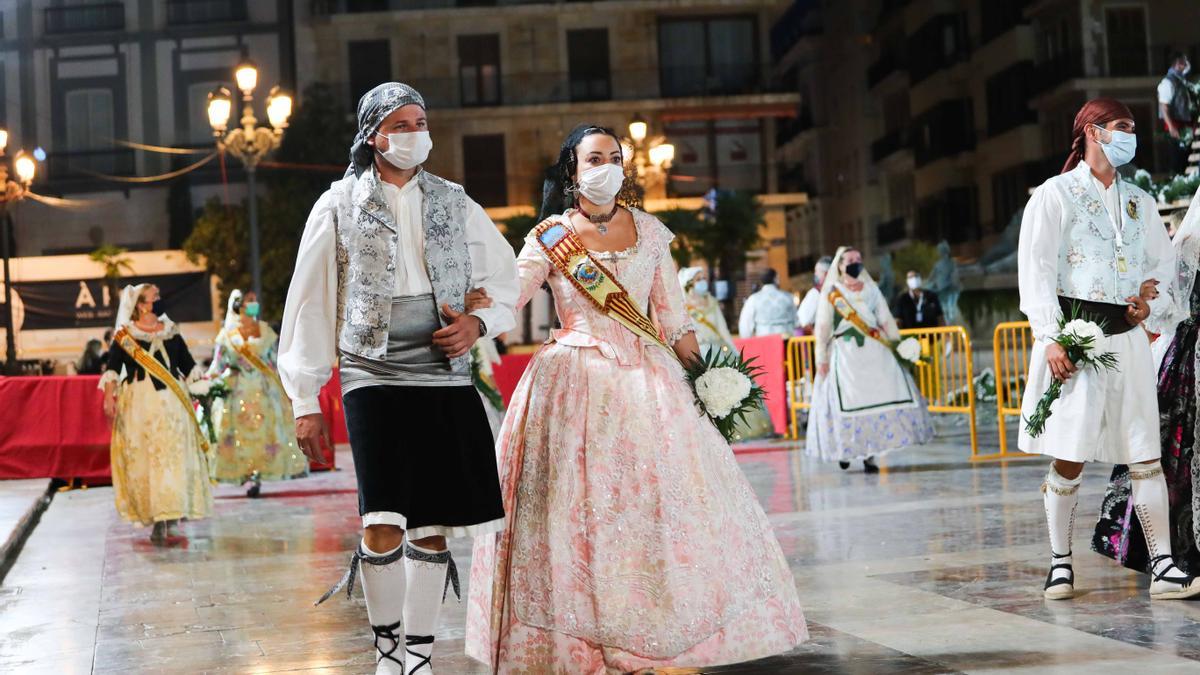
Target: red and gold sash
[158,371]
[569,256]
[247,352]
[843,307]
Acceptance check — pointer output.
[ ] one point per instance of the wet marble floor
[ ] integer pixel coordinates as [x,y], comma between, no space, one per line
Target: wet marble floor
[934,565]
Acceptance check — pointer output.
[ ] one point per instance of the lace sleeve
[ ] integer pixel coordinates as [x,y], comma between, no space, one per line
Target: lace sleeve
[666,296]
[532,271]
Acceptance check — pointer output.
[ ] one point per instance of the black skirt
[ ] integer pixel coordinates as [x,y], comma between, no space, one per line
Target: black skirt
[426,453]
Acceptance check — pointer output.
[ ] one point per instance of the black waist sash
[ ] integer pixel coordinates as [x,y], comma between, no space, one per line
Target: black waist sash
[1110,317]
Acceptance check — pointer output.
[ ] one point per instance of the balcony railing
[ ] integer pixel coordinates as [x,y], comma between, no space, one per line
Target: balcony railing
[328,7]
[790,127]
[83,164]
[1151,61]
[188,12]
[798,22]
[888,145]
[884,66]
[891,231]
[85,18]
[543,88]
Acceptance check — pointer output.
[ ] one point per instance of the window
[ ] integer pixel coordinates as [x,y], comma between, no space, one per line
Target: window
[946,129]
[939,43]
[1010,191]
[479,69]
[587,58]
[199,131]
[90,129]
[485,177]
[708,56]
[1125,28]
[370,63]
[997,18]
[1008,98]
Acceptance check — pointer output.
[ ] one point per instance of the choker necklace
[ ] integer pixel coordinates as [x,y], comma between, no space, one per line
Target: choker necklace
[600,219]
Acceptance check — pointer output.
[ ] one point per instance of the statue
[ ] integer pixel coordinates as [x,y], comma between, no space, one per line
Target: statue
[887,278]
[945,282]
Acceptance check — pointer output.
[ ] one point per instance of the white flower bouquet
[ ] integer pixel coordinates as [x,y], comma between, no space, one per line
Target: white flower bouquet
[1084,342]
[725,390]
[204,392]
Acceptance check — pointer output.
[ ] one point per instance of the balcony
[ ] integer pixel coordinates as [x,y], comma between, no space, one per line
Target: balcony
[801,20]
[330,7]
[1151,61]
[891,231]
[193,12]
[789,128]
[888,145]
[83,164]
[886,65]
[558,87]
[85,18]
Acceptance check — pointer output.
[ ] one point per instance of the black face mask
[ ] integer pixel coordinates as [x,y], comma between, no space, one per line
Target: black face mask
[854,269]
[157,307]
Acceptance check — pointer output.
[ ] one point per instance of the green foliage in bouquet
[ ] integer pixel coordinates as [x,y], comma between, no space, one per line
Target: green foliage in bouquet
[1081,349]
[721,392]
[484,384]
[217,389]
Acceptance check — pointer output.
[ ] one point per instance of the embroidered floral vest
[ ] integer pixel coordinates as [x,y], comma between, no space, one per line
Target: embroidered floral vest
[366,258]
[1087,259]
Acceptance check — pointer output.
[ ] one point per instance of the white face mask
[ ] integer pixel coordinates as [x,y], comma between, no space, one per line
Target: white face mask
[600,184]
[914,283]
[701,286]
[407,150]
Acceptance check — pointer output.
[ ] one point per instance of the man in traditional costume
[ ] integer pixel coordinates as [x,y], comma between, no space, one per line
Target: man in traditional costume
[770,311]
[387,257]
[1093,243]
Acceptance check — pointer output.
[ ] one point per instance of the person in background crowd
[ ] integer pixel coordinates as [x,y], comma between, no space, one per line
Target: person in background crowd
[864,403]
[917,307]
[806,315]
[107,339]
[1177,110]
[92,361]
[256,436]
[769,311]
[159,454]
[713,335]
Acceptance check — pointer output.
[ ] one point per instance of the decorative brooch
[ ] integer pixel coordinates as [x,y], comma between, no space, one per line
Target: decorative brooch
[1131,208]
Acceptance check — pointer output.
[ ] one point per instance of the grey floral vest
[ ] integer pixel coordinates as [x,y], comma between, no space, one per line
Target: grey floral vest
[366,258]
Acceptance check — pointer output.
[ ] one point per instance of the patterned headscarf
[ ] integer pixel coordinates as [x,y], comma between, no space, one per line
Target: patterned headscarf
[373,107]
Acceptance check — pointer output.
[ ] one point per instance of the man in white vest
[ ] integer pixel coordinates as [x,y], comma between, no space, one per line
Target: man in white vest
[1092,241]
[387,258]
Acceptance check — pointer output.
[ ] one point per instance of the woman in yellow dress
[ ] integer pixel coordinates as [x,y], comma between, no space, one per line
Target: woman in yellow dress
[159,465]
[256,434]
[713,334]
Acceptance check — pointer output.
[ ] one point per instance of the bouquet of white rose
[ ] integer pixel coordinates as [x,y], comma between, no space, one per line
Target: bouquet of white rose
[205,392]
[908,352]
[725,388]
[1084,342]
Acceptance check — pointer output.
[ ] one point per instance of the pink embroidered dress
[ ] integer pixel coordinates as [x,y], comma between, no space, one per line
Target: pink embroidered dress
[633,540]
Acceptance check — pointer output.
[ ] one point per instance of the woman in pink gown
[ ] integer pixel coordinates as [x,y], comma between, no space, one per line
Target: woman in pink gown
[633,540]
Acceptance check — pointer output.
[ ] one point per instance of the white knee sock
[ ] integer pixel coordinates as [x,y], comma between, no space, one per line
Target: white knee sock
[384,587]
[1060,496]
[427,571]
[1151,505]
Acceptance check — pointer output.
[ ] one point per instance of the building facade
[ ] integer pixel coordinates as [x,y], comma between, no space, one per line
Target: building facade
[967,106]
[80,77]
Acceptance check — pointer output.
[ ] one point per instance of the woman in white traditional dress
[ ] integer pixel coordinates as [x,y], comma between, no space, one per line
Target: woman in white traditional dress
[713,335]
[159,467]
[865,403]
[256,434]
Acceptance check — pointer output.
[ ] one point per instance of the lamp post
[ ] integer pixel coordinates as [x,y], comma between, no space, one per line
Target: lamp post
[651,156]
[250,142]
[11,192]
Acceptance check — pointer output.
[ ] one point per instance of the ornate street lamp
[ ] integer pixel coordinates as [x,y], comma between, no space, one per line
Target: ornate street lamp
[11,192]
[651,156]
[250,142]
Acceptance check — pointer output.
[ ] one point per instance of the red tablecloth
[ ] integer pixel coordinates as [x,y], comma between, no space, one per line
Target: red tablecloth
[54,427]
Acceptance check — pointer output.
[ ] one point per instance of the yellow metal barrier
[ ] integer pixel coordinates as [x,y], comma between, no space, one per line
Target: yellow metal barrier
[946,379]
[1010,345]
